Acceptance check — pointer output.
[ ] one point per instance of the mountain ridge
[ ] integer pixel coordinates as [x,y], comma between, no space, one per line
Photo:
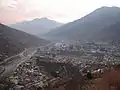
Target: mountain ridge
[87,27]
[36,26]
[14,41]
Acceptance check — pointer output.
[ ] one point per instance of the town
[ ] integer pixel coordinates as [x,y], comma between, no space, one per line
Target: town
[56,64]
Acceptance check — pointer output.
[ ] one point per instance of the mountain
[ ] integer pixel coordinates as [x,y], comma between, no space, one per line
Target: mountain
[13,41]
[36,26]
[110,33]
[94,26]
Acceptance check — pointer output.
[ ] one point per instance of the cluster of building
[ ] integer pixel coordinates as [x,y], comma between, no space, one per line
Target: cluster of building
[28,76]
[89,55]
[86,57]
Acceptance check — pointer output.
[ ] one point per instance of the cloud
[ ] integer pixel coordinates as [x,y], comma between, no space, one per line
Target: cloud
[7,3]
[12,11]
[10,16]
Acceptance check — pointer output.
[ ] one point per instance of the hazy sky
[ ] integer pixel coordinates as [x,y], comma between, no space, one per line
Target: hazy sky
[12,11]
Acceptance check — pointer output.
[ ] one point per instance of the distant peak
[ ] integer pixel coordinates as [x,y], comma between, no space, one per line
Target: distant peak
[106,7]
[44,18]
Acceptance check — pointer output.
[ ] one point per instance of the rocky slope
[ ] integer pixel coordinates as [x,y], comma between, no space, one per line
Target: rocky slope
[14,41]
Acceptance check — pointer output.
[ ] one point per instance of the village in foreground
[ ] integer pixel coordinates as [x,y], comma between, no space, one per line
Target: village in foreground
[68,66]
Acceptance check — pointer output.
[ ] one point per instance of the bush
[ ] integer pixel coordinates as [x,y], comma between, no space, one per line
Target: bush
[54,74]
[89,75]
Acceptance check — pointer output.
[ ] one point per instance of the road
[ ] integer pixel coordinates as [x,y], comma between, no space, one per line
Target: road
[11,63]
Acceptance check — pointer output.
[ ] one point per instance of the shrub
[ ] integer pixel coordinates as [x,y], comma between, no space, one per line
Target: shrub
[89,75]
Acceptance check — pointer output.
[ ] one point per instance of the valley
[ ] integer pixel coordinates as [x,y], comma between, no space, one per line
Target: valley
[58,64]
[42,54]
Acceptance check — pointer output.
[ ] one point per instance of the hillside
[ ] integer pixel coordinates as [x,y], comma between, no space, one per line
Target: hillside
[110,33]
[90,27]
[14,41]
[36,26]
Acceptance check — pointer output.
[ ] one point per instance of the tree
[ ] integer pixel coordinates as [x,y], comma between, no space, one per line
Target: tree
[54,74]
[89,75]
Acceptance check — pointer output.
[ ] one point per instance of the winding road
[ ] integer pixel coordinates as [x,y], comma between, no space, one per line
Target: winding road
[11,63]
